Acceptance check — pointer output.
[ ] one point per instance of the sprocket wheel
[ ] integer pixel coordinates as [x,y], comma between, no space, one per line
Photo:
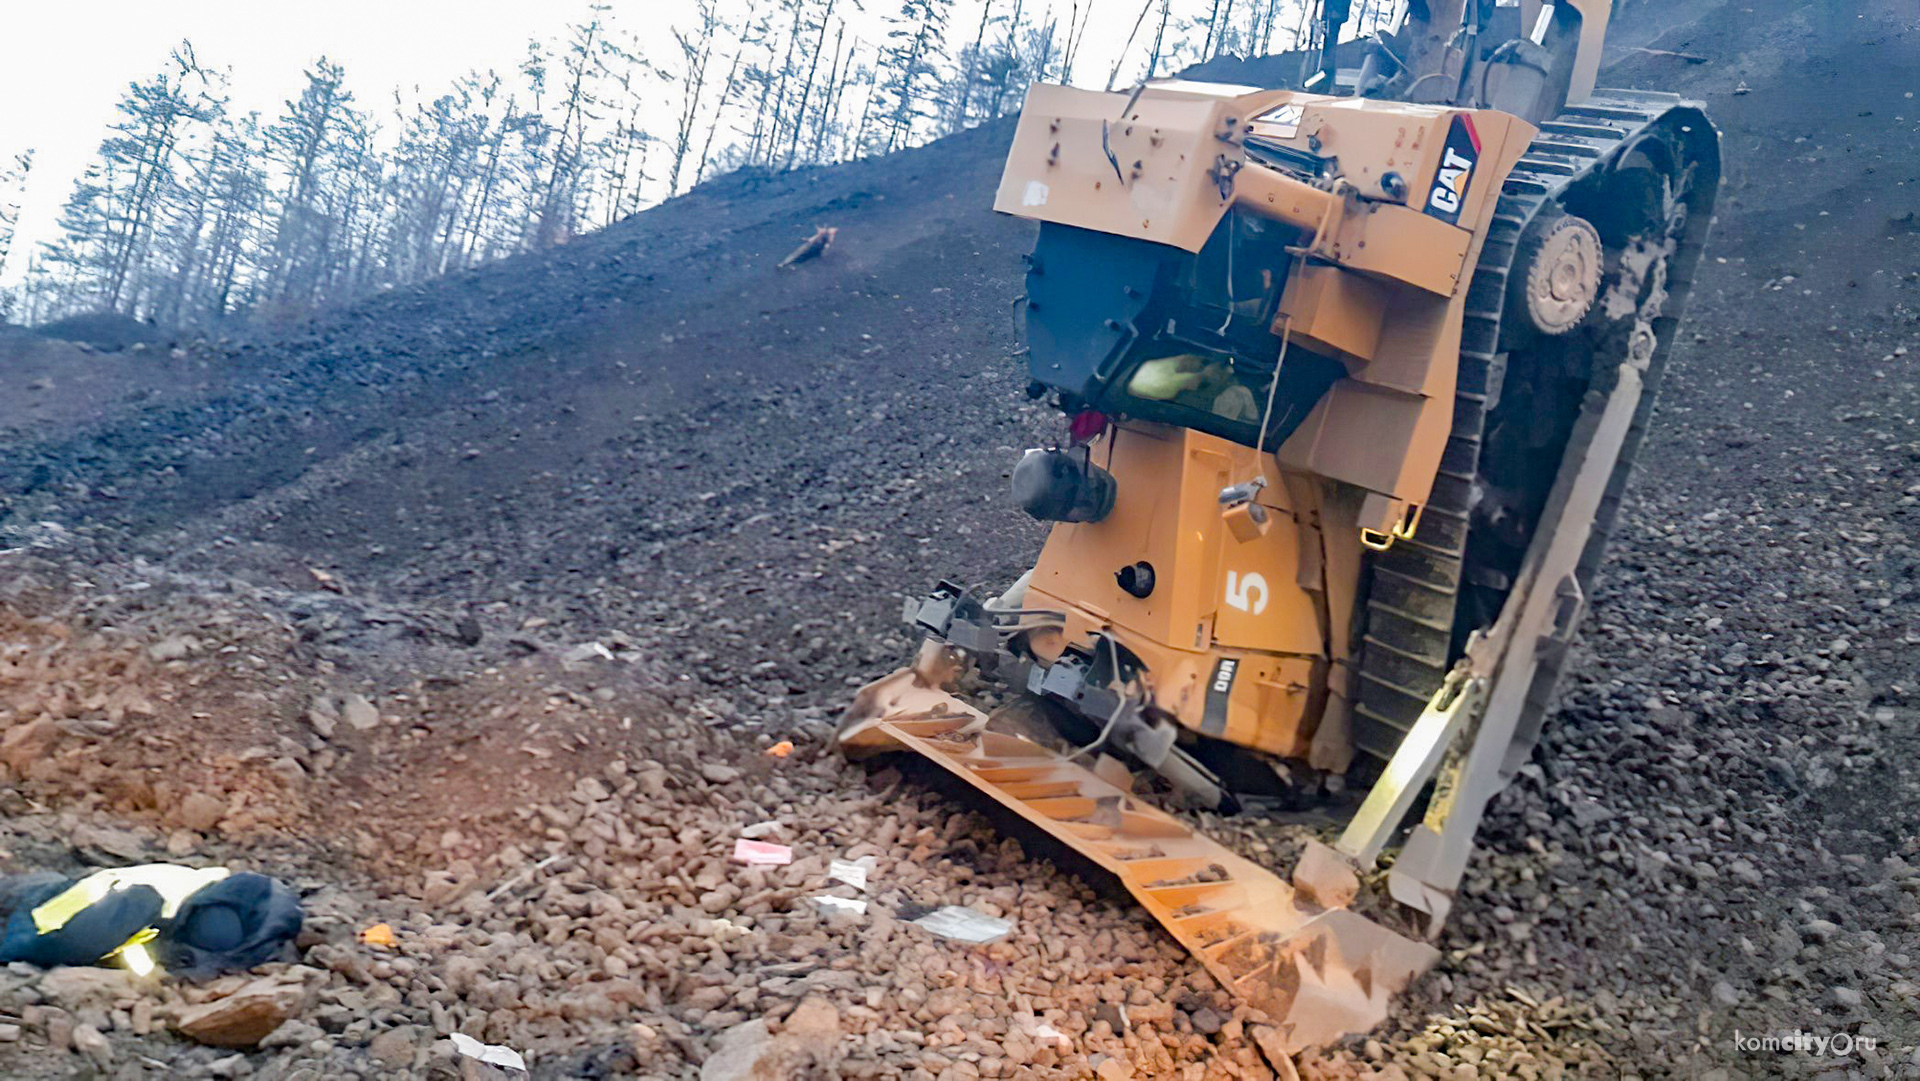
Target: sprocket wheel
[1559,273]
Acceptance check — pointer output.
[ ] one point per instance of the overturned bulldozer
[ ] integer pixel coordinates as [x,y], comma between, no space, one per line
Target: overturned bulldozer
[1356,376]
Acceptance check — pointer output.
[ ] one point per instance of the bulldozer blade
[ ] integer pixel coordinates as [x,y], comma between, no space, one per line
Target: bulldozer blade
[907,694]
[1319,971]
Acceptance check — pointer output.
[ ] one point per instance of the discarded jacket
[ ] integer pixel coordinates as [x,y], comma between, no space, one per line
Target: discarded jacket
[193,922]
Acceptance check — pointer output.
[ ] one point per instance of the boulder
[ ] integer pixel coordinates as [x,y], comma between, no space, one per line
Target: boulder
[359,713]
[245,1017]
[200,812]
[751,1051]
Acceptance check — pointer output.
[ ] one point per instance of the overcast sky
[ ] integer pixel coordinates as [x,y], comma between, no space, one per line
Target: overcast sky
[69,61]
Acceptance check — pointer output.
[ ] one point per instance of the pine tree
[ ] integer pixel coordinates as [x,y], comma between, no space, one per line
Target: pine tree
[912,55]
[559,197]
[696,52]
[750,36]
[303,142]
[13,185]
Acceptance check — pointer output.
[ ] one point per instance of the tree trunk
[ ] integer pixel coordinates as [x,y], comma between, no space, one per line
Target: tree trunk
[973,68]
[806,89]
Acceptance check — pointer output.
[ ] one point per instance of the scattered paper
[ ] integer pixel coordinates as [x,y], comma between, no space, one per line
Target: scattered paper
[840,904]
[964,924]
[852,872]
[781,749]
[490,1053]
[380,934]
[761,853]
[761,829]
[587,651]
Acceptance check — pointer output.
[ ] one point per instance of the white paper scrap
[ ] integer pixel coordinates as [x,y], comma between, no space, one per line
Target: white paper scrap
[761,829]
[1052,1035]
[964,924]
[490,1053]
[852,872]
[841,904]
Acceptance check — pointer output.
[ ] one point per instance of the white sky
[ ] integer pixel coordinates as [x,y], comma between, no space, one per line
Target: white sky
[64,63]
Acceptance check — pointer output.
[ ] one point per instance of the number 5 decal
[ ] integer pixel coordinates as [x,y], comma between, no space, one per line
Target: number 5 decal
[1247,592]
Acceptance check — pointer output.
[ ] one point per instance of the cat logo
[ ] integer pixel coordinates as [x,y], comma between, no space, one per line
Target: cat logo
[1457,161]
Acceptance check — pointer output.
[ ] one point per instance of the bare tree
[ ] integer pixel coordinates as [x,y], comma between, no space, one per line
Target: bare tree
[751,34]
[145,146]
[558,199]
[13,185]
[806,88]
[1159,38]
[915,48]
[969,70]
[829,114]
[1128,47]
[302,141]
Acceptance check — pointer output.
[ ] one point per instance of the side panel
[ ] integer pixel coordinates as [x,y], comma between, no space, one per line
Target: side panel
[1208,587]
[1231,635]
[1079,159]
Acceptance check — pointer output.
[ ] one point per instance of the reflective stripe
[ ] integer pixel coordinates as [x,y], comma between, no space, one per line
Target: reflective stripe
[134,952]
[139,961]
[173,883]
[63,906]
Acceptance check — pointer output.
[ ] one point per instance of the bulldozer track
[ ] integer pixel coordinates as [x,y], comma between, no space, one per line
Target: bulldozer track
[1408,642]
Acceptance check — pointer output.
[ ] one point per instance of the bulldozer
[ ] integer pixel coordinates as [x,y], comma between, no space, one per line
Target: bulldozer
[1354,375]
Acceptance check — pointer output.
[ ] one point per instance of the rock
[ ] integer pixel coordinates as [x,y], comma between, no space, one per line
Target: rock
[9,1033]
[1846,998]
[359,713]
[88,1041]
[231,1066]
[743,1053]
[719,773]
[750,1051]
[1114,1016]
[1206,1021]
[1324,877]
[814,1026]
[1725,995]
[200,812]
[1113,1069]
[27,743]
[245,1017]
[124,845]
[173,648]
[394,1047]
[295,1033]
[79,986]
[60,1029]
[323,723]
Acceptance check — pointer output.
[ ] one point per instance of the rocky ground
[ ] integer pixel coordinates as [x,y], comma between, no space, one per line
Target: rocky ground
[475,611]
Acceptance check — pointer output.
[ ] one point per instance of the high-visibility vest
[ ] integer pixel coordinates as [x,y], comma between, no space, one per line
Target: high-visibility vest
[173,883]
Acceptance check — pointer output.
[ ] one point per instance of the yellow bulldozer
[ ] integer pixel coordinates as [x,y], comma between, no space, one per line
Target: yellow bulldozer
[1355,375]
